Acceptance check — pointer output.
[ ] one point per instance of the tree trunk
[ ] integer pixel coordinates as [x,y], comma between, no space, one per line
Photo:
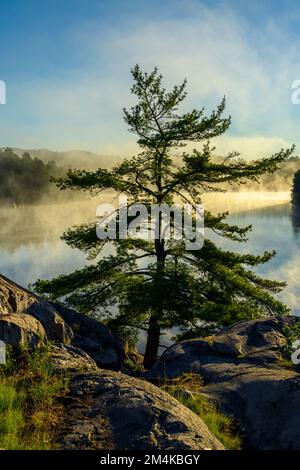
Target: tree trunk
[152,346]
[152,343]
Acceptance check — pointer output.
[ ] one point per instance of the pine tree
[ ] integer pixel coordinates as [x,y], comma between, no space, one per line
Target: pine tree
[296,188]
[159,284]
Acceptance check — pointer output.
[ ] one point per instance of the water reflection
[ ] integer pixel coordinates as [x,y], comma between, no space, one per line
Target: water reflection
[276,228]
[296,217]
[30,245]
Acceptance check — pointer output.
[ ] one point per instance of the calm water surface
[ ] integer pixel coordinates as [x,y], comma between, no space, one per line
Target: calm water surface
[30,245]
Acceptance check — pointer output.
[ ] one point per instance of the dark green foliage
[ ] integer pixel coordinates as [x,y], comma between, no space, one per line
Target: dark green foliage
[24,180]
[296,188]
[158,284]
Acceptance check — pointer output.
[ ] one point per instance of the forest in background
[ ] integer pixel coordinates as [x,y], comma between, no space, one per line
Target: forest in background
[25,179]
[25,175]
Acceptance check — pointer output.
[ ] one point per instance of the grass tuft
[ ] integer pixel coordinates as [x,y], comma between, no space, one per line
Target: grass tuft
[29,400]
[221,426]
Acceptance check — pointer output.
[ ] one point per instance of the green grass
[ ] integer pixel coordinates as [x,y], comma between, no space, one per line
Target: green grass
[12,418]
[29,400]
[220,425]
[132,366]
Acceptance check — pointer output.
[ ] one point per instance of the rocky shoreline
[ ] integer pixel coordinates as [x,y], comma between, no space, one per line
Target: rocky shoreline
[242,371]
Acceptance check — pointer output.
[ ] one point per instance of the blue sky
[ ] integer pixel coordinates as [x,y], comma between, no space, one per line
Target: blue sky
[66,66]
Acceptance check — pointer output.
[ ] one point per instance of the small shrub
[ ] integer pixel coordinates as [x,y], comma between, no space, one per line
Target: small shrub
[133,366]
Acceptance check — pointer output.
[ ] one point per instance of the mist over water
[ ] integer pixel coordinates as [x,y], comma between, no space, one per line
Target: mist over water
[30,240]
[31,248]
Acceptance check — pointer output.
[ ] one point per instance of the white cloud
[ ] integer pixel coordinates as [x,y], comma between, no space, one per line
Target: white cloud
[217,51]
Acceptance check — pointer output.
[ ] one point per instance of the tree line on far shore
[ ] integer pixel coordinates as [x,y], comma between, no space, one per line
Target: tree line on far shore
[25,180]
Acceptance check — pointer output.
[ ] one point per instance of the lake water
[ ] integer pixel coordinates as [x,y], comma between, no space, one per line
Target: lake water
[30,245]
[275,228]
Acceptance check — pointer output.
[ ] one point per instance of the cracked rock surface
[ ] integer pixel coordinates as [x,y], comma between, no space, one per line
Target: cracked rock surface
[110,410]
[245,375]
